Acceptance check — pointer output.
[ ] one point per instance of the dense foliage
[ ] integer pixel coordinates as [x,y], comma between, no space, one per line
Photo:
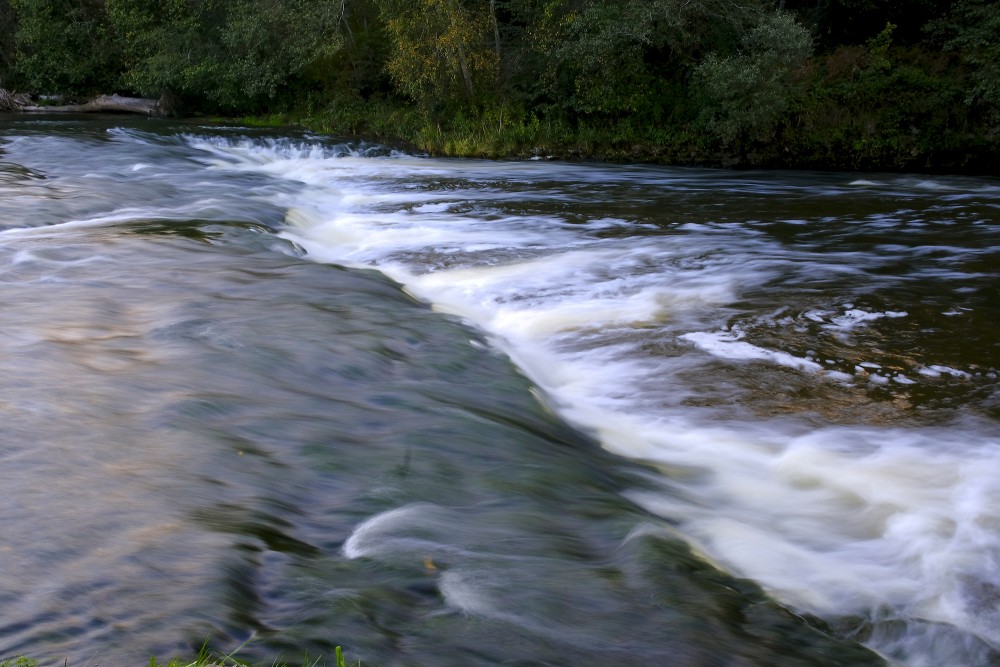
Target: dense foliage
[838,83]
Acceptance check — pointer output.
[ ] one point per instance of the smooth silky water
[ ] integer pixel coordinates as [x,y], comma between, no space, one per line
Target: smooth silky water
[451,412]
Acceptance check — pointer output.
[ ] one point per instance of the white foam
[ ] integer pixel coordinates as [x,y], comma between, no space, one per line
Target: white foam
[728,345]
[936,370]
[854,317]
[839,522]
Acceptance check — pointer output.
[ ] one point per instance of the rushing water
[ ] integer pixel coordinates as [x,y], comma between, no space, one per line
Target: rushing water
[448,412]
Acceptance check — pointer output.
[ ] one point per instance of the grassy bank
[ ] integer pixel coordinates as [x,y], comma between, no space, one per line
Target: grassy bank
[826,132]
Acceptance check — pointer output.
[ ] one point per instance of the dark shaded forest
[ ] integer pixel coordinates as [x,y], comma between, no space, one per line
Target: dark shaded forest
[840,84]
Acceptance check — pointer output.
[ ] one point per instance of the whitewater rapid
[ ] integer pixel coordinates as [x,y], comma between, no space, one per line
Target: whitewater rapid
[643,323]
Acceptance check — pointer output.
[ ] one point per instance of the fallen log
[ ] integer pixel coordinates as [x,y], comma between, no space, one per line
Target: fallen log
[104,104]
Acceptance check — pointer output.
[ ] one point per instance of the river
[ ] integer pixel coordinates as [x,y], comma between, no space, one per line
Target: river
[298,392]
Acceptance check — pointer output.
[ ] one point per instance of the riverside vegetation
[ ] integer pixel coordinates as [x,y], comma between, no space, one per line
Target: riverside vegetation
[848,84]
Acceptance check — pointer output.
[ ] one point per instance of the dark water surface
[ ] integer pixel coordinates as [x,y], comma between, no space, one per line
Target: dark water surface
[448,412]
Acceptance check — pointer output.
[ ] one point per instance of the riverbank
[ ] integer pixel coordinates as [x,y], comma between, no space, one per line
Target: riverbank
[488,136]
[827,86]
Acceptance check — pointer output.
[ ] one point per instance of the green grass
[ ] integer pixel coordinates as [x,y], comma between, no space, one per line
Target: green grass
[274,120]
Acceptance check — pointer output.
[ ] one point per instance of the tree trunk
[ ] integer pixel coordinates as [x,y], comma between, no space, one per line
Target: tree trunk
[463,66]
[496,28]
[105,104]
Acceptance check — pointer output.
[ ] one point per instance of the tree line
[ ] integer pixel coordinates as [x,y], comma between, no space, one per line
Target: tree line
[840,83]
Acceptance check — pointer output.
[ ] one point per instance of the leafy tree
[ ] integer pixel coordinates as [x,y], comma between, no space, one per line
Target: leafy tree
[748,92]
[441,49]
[270,42]
[358,67]
[606,56]
[234,53]
[973,29]
[63,46]
[168,44]
[597,61]
[8,25]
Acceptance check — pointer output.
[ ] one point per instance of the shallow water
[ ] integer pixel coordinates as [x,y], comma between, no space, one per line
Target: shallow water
[456,412]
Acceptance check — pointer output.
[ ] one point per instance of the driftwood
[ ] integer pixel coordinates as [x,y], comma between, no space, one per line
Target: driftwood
[11,101]
[105,104]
